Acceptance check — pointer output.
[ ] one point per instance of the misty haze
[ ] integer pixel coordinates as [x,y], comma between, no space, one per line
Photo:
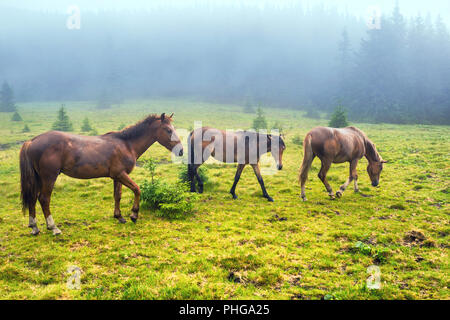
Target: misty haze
[284,55]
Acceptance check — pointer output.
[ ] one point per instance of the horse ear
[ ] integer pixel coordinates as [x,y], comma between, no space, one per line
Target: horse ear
[171,116]
[163,116]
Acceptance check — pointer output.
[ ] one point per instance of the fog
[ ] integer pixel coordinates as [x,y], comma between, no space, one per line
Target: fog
[308,55]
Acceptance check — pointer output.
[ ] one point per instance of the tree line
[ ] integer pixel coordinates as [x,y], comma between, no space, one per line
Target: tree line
[313,59]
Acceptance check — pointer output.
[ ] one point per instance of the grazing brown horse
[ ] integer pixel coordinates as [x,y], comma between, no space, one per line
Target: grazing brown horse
[242,147]
[112,155]
[337,146]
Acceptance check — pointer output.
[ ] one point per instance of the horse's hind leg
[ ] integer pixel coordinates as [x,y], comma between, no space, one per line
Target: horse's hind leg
[323,176]
[306,166]
[236,180]
[117,198]
[44,199]
[191,176]
[352,176]
[32,218]
[261,182]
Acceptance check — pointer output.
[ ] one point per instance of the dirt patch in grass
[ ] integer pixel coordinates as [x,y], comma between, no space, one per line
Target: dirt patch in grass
[415,237]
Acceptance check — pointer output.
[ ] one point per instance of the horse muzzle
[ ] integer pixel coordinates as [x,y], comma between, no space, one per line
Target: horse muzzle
[280,166]
[375,183]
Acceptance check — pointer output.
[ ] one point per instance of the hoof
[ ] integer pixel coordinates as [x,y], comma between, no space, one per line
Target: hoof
[332,197]
[35,232]
[56,231]
[121,219]
[270,199]
[234,196]
[338,193]
[357,191]
[304,199]
[134,219]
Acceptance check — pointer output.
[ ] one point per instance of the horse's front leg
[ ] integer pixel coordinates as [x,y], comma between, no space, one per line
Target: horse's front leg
[326,164]
[126,180]
[236,180]
[261,182]
[352,176]
[117,197]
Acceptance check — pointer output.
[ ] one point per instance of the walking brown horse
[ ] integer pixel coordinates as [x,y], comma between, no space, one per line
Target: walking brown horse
[338,146]
[113,155]
[242,147]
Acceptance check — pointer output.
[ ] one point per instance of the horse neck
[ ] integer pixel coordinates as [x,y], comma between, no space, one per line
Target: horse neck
[142,142]
[371,152]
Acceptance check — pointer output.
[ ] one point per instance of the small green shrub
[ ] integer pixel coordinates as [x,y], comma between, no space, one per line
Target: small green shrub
[86,126]
[298,140]
[170,200]
[63,122]
[26,129]
[339,118]
[378,254]
[202,171]
[260,121]
[278,126]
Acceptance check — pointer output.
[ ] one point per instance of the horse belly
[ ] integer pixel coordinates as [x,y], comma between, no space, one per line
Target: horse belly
[86,164]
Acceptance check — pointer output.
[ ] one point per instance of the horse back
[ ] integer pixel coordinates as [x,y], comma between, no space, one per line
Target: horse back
[81,156]
[337,145]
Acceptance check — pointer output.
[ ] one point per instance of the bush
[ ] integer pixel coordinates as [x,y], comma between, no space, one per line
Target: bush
[171,200]
[298,140]
[339,118]
[202,171]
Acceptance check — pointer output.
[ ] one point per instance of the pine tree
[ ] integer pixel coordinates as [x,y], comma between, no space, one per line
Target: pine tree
[63,122]
[260,121]
[7,99]
[16,117]
[86,127]
[338,118]
[26,129]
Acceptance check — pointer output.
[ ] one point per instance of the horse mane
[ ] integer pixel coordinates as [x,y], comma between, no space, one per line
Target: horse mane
[138,129]
[371,150]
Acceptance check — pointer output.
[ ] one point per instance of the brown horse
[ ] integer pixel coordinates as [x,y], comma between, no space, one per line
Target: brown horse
[112,155]
[242,147]
[337,146]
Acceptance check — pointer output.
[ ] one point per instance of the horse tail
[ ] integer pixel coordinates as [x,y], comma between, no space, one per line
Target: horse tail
[29,179]
[308,157]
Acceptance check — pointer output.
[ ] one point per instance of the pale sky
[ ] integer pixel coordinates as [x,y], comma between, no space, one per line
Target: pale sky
[357,7]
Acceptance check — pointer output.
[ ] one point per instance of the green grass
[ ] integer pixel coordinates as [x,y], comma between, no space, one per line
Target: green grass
[229,249]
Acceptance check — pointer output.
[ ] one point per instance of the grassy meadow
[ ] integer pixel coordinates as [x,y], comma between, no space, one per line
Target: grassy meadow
[243,249]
